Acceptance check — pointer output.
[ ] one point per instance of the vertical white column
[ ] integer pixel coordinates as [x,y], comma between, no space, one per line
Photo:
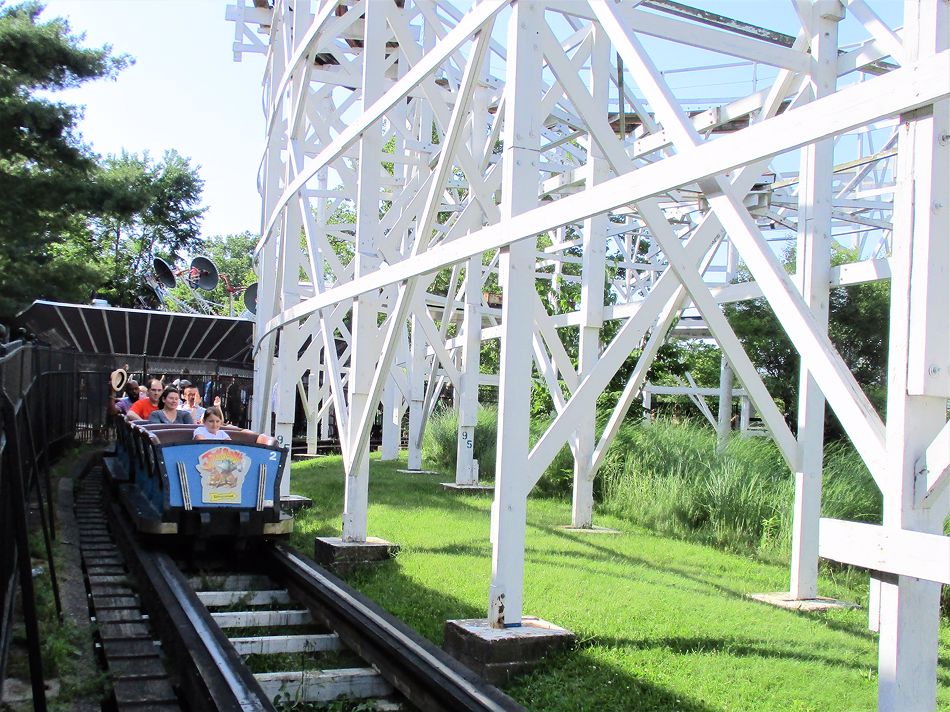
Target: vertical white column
[417,394]
[324,432]
[366,307]
[744,413]
[313,408]
[813,259]
[592,289]
[417,343]
[266,266]
[390,400]
[465,474]
[724,415]
[521,140]
[284,389]
[917,392]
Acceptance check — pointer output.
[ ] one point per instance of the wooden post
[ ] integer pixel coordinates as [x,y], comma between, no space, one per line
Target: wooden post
[813,258]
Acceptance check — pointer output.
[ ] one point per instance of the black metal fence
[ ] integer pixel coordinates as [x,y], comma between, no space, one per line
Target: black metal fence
[48,399]
[37,417]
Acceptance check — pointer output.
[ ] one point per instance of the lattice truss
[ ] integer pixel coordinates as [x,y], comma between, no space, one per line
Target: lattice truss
[439,174]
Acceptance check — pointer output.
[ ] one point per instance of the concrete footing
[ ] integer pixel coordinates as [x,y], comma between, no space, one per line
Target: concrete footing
[589,530]
[417,472]
[470,489]
[342,556]
[783,599]
[498,654]
[293,503]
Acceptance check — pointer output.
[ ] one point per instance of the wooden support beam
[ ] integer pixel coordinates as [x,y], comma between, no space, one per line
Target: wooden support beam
[896,551]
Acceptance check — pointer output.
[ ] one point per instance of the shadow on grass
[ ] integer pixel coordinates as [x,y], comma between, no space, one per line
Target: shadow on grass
[572,681]
[730,646]
[607,553]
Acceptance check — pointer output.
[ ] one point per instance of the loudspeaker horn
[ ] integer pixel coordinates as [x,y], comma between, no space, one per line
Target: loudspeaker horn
[250,298]
[204,273]
[164,273]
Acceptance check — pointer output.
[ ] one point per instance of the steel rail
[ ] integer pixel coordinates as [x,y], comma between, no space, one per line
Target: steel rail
[427,676]
[212,674]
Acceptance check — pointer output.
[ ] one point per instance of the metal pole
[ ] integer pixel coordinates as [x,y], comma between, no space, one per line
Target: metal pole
[21,527]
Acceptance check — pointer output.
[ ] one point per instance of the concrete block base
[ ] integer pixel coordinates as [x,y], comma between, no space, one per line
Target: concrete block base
[469,489]
[783,599]
[498,654]
[590,530]
[417,472]
[305,456]
[293,503]
[343,556]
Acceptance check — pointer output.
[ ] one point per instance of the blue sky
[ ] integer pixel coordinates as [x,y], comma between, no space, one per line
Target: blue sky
[183,92]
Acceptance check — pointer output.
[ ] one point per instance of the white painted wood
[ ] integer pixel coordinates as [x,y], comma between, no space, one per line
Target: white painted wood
[260,619]
[366,259]
[465,471]
[325,685]
[835,379]
[933,469]
[313,409]
[280,644]
[417,386]
[670,193]
[813,264]
[522,133]
[907,88]
[482,12]
[249,598]
[744,414]
[390,403]
[909,609]
[244,582]
[682,391]
[896,551]
[592,287]
[724,413]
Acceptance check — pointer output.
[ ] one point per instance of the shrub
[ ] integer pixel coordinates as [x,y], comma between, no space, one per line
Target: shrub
[439,446]
[668,476]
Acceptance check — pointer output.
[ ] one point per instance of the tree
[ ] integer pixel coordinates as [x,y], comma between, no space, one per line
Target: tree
[154,213]
[857,326]
[47,176]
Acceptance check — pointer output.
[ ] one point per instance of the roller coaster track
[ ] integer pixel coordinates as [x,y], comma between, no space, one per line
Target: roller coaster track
[230,627]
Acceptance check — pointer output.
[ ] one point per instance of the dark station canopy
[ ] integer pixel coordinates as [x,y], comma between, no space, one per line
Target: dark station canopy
[157,334]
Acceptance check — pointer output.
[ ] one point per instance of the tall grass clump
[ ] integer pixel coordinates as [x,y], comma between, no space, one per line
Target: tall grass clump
[668,476]
[441,437]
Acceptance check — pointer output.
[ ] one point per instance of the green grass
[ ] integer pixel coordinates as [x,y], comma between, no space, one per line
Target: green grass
[662,624]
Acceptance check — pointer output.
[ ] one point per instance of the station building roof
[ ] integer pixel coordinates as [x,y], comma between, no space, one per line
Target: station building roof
[157,334]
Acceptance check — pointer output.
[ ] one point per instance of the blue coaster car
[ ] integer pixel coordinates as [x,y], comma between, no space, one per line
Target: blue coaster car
[170,483]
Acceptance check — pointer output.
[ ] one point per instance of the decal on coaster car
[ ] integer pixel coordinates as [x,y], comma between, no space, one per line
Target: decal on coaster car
[222,472]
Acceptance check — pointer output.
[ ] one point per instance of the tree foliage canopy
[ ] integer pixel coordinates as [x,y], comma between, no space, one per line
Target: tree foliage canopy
[72,224]
[47,176]
[153,212]
[857,326]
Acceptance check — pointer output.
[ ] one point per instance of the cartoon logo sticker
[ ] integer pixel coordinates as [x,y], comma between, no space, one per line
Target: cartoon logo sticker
[222,472]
